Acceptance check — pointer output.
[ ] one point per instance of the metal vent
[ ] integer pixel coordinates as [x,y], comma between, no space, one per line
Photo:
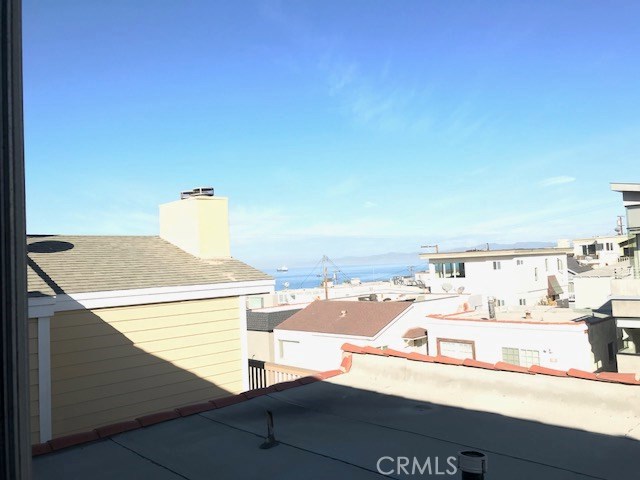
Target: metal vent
[197,192]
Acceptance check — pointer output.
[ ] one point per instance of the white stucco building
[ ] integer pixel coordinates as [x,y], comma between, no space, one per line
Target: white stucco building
[552,337]
[313,337]
[599,251]
[519,277]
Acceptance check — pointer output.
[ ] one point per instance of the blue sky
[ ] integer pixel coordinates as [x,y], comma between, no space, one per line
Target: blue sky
[345,128]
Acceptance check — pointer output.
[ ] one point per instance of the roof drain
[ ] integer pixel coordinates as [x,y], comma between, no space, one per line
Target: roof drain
[472,464]
[270,441]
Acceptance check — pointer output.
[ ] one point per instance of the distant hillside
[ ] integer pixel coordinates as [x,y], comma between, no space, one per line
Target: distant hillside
[400,258]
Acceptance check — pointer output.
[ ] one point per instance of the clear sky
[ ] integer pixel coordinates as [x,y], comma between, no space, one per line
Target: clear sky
[345,128]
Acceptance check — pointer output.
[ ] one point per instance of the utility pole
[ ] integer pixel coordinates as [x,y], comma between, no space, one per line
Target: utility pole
[620,228]
[324,277]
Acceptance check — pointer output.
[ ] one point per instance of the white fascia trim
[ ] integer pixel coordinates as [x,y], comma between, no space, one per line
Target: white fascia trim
[244,353]
[44,377]
[117,298]
[41,307]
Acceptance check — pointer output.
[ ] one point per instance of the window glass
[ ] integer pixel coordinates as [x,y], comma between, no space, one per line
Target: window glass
[529,357]
[511,355]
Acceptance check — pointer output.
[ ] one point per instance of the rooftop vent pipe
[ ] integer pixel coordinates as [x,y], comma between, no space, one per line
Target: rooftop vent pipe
[472,465]
[492,308]
[527,315]
[197,192]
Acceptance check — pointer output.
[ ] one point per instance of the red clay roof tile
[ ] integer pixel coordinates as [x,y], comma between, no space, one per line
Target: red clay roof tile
[627,378]
[115,428]
[73,439]
[226,401]
[40,449]
[159,417]
[470,362]
[547,371]
[573,372]
[508,367]
[349,347]
[419,357]
[194,409]
[448,360]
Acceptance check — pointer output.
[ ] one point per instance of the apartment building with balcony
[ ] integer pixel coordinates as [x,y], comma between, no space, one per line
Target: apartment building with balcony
[516,277]
[600,250]
[625,286]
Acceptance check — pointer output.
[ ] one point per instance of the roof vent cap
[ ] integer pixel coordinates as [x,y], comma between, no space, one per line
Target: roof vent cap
[343,313]
[197,192]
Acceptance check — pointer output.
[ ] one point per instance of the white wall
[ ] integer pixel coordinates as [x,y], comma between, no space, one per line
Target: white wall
[591,292]
[560,346]
[318,351]
[512,282]
[605,257]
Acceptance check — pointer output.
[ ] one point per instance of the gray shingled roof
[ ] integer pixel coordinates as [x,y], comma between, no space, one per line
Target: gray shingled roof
[81,264]
[574,266]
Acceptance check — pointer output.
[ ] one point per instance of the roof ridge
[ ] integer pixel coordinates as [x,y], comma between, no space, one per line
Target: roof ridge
[608,377]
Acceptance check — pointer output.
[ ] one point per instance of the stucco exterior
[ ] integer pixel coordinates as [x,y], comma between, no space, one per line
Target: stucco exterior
[321,351]
[591,292]
[198,225]
[260,346]
[558,346]
[512,279]
[602,251]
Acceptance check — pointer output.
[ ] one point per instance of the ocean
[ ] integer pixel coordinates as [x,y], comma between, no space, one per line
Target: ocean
[308,277]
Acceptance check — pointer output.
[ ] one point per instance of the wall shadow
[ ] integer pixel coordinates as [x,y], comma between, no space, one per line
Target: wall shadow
[329,430]
[100,376]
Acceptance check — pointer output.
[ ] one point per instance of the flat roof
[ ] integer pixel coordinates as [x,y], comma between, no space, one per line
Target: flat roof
[625,187]
[620,238]
[539,315]
[529,426]
[608,270]
[518,252]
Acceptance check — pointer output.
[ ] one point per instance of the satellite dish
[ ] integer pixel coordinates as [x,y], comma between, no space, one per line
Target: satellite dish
[286,284]
[460,289]
[447,287]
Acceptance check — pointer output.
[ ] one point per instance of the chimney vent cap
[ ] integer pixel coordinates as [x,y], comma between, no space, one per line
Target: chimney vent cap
[197,192]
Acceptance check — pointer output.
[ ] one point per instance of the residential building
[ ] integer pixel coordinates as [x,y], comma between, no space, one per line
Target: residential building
[601,250]
[124,326]
[592,288]
[265,312]
[519,277]
[312,337]
[260,325]
[362,421]
[625,287]
[551,337]
[575,268]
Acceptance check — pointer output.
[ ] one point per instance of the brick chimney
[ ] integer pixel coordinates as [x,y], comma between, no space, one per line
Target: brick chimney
[198,223]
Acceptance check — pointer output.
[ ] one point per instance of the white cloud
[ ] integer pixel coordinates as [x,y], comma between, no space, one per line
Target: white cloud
[369,204]
[548,182]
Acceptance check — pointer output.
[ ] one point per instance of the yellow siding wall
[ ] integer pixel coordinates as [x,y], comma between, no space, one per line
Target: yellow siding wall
[33,380]
[115,364]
